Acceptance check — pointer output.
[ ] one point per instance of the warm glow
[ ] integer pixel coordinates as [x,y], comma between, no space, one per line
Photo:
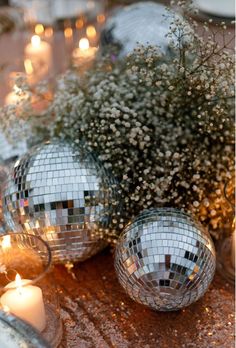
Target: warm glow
[68,32]
[48,32]
[79,23]
[39,29]
[28,66]
[6,243]
[84,44]
[91,32]
[35,41]
[101,18]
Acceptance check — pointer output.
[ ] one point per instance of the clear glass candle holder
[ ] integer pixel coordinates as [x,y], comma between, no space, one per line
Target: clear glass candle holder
[226,244]
[27,287]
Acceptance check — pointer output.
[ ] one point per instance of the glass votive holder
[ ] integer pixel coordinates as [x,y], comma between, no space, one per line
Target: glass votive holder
[27,287]
[226,244]
[17,333]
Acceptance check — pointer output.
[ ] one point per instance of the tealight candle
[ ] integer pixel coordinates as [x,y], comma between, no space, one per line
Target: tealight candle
[26,302]
[38,58]
[84,53]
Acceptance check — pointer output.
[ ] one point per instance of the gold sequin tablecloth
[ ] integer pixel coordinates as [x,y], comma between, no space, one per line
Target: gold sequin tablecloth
[97,313]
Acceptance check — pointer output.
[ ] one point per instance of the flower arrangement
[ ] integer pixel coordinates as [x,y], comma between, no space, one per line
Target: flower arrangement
[163,125]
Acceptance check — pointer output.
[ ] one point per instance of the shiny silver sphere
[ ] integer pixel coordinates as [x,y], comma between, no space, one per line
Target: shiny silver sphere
[165,259]
[63,195]
[144,23]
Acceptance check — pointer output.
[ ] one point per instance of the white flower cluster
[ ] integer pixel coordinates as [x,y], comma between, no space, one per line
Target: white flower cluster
[162,125]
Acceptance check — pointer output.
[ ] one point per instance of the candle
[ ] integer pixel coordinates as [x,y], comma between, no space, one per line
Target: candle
[26,302]
[217,7]
[38,58]
[85,53]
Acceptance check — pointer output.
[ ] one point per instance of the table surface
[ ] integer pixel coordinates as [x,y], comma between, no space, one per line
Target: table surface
[97,313]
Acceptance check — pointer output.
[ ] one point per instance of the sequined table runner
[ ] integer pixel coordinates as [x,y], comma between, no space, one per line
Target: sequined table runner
[97,313]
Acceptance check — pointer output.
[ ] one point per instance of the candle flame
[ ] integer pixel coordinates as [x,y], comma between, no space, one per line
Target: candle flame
[39,29]
[79,23]
[84,44]
[18,282]
[48,32]
[101,18]
[35,41]
[68,32]
[6,243]
[91,32]
[28,66]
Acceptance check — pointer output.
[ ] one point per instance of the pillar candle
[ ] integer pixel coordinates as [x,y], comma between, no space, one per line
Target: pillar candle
[38,59]
[26,302]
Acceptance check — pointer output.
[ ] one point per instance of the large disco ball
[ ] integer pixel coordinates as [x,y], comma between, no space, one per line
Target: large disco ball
[63,195]
[165,259]
[144,23]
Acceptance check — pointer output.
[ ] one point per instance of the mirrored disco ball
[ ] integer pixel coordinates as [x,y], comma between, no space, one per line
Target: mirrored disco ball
[165,259]
[142,23]
[63,195]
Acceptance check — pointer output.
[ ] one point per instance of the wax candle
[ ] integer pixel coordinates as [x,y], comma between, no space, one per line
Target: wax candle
[38,58]
[217,7]
[26,302]
[84,53]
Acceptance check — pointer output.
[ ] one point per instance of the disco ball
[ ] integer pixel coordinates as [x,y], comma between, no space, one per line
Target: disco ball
[165,259]
[141,23]
[63,195]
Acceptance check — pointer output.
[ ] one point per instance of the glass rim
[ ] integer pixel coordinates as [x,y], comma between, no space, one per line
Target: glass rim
[47,265]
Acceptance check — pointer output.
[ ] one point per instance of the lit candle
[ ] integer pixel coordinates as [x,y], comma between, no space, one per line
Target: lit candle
[84,53]
[38,58]
[26,302]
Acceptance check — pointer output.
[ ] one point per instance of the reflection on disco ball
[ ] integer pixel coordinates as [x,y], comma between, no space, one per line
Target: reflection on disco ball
[63,195]
[165,259]
[142,23]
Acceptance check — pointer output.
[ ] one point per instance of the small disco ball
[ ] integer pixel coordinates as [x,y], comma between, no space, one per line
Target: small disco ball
[63,195]
[144,23]
[165,259]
